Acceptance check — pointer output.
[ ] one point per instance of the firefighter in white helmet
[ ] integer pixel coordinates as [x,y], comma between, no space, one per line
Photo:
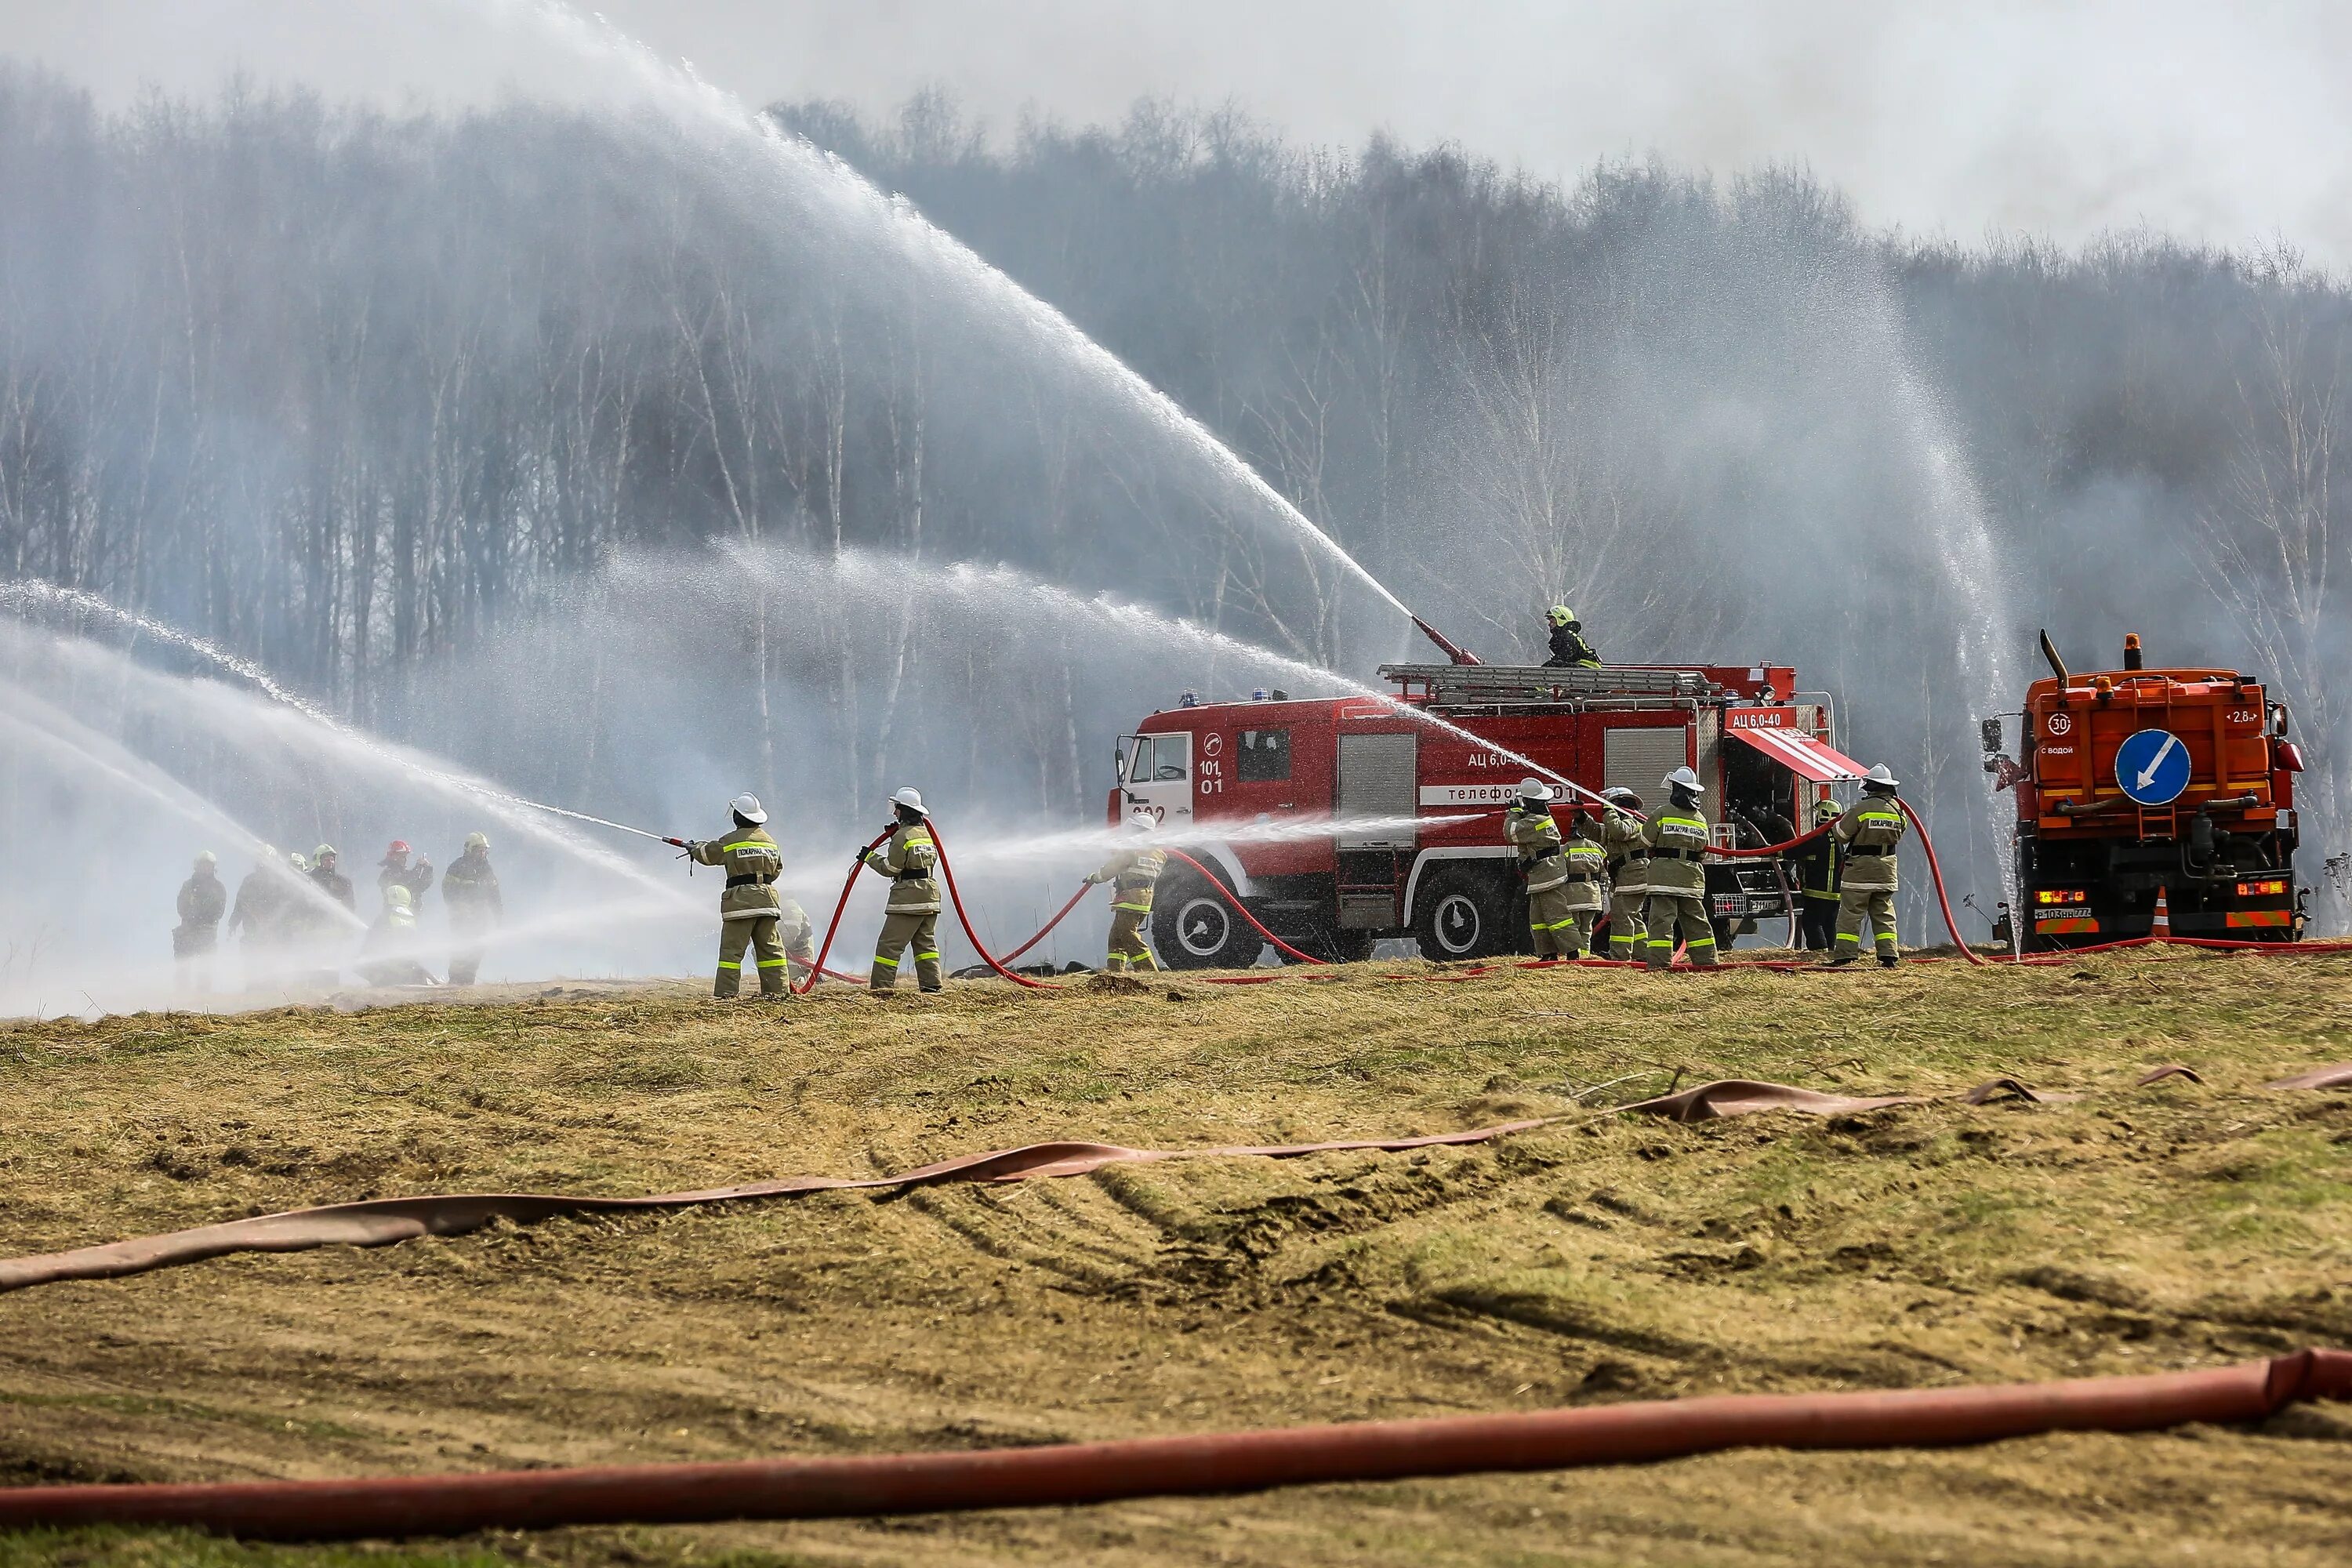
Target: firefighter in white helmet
[1626,855]
[1133,871]
[1868,833]
[1530,831]
[749,908]
[1677,837]
[910,861]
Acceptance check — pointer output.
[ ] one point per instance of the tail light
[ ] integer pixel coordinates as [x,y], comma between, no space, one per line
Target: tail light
[2267,886]
[2062,895]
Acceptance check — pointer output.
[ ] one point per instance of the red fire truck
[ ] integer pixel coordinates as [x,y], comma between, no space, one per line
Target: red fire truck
[2139,783]
[1415,786]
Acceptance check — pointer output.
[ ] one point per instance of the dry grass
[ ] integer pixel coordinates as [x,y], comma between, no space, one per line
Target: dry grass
[2138,1229]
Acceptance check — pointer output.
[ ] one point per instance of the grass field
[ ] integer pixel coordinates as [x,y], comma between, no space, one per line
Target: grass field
[1604,1258]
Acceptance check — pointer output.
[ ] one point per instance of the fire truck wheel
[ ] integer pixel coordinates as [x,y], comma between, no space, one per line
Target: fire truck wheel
[1460,916]
[1194,928]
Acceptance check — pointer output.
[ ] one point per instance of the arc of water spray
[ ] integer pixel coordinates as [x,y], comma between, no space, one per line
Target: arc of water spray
[26,591]
[679,84]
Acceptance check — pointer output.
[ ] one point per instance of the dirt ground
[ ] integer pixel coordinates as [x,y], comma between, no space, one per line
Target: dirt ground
[1608,1258]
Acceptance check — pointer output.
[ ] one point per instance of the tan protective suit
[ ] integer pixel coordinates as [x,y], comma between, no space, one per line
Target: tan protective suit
[1870,830]
[1627,855]
[749,908]
[1678,839]
[1543,861]
[910,859]
[1133,875]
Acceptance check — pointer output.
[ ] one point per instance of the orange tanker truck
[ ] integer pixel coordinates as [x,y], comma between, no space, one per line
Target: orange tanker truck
[2143,789]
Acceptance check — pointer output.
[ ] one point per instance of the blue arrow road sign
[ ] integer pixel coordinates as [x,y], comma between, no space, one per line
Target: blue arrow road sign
[2152,767]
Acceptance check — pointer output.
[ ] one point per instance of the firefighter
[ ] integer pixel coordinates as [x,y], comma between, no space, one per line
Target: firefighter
[798,935]
[1868,833]
[394,871]
[470,890]
[202,901]
[912,915]
[388,956]
[749,908]
[1133,872]
[258,917]
[1568,649]
[1627,857]
[1677,837]
[330,881]
[1587,877]
[1529,829]
[1818,862]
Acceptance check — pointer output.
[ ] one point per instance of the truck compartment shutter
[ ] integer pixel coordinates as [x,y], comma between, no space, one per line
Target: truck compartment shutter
[1640,759]
[1378,776]
[1804,755]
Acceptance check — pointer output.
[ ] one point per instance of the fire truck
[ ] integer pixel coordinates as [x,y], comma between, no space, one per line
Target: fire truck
[1414,787]
[2139,786]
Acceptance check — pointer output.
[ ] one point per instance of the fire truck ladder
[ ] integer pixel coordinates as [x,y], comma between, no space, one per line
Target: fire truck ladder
[1528,686]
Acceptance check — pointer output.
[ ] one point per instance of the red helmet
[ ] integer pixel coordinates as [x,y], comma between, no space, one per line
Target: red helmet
[399,847]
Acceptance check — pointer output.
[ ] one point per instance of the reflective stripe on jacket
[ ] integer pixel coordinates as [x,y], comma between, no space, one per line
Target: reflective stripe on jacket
[1870,830]
[908,860]
[748,852]
[1133,873]
[1536,836]
[1679,872]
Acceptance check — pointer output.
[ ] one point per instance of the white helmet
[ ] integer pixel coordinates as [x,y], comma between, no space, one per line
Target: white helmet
[1685,779]
[747,806]
[1881,777]
[912,799]
[1142,819]
[1534,789]
[206,857]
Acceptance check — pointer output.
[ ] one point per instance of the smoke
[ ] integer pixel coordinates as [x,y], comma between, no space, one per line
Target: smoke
[606,455]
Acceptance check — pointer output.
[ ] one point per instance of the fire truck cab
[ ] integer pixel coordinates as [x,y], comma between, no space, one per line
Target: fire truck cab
[1339,821]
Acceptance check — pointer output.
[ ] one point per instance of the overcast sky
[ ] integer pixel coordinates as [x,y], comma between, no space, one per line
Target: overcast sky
[2230,122]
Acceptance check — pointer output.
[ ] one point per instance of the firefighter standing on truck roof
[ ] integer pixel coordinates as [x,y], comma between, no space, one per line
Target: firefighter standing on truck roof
[912,915]
[1677,837]
[1133,872]
[1819,861]
[1627,855]
[749,906]
[1869,833]
[1568,649]
[1529,828]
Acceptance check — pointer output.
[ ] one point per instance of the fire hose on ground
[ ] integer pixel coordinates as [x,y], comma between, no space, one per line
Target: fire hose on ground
[1060,1475]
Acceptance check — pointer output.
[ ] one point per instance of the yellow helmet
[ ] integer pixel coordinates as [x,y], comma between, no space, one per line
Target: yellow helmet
[1561,615]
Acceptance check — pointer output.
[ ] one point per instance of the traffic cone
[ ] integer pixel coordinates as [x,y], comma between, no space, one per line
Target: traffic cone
[2160,929]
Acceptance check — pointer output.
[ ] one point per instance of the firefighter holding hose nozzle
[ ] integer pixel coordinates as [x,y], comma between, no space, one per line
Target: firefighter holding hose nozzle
[1627,855]
[1133,872]
[1543,866]
[1677,837]
[749,908]
[911,859]
[1868,833]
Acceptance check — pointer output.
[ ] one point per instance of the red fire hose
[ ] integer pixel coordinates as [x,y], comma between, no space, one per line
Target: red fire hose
[818,972]
[1243,910]
[1936,871]
[972,936]
[1084,889]
[1065,1474]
